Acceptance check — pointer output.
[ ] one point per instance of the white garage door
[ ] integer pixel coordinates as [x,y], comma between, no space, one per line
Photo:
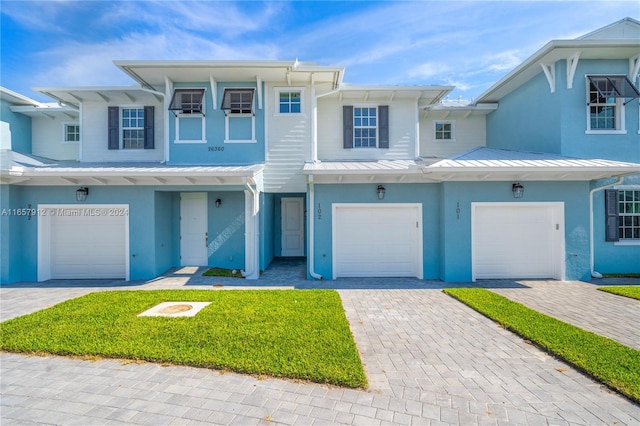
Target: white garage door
[373,240]
[85,242]
[518,240]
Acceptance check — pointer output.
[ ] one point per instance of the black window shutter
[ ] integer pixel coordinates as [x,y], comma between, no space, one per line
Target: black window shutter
[612,220]
[114,121]
[148,127]
[383,126]
[347,126]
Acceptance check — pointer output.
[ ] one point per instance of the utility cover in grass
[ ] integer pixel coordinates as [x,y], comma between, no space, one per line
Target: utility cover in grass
[301,334]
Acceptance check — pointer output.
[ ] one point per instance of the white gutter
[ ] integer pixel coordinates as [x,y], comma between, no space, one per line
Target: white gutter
[595,274]
[311,230]
[251,231]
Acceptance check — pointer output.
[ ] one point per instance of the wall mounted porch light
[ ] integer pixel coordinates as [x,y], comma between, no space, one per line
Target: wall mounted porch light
[518,190]
[218,202]
[380,190]
[81,194]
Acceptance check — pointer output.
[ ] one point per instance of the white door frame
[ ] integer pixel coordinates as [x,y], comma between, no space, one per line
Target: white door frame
[283,221]
[559,237]
[47,211]
[203,258]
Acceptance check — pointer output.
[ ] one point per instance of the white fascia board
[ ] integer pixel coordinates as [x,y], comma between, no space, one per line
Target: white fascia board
[17,98]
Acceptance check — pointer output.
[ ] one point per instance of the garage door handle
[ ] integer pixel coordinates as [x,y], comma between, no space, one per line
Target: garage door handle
[206,239]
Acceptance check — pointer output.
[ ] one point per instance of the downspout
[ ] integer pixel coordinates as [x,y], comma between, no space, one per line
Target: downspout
[595,274]
[311,230]
[252,260]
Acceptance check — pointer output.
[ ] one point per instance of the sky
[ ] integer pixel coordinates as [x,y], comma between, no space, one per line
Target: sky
[469,45]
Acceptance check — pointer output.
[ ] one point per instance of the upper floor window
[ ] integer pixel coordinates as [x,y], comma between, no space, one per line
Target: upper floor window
[131,127]
[238,101]
[365,127]
[187,101]
[71,132]
[290,102]
[605,105]
[443,130]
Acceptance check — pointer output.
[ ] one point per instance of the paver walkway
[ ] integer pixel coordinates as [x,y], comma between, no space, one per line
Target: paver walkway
[429,359]
[582,304]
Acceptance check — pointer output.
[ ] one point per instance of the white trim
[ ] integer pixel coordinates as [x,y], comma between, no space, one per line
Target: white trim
[453,131]
[44,234]
[202,117]
[279,89]
[620,128]
[64,132]
[558,216]
[419,233]
[627,243]
[227,139]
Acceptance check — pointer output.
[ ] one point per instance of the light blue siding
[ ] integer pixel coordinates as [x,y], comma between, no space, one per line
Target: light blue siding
[154,227]
[215,150]
[19,128]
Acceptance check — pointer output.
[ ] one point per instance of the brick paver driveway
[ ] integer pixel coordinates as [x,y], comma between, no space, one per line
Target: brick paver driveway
[429,359]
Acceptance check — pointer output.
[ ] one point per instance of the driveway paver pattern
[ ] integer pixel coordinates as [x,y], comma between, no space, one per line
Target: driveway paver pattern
[429,359]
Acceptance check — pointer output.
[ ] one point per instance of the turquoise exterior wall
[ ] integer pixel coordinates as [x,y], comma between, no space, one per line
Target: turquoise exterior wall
[611,257]
[327,194]
[216,151]
[446,210]
[532,118]
[267,233]
[527,119]
[19,127]
[154,227]
[456,228]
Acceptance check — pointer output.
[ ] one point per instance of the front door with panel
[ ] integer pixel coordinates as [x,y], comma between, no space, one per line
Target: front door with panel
[292,226]
[193,229]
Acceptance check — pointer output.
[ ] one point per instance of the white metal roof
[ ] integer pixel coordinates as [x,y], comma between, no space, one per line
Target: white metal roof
[500,164]
[26,170]
[152,74]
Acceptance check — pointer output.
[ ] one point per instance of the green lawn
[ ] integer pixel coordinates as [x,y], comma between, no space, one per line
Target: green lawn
[612,363]
[628,291]
[301,334]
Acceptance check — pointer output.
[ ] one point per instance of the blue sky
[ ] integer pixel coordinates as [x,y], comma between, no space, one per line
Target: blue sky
[470,45]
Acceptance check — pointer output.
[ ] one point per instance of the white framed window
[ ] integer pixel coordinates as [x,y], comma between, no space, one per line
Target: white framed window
[629,214]
[289,101]
[443,131]
[365,127]
[238,105]
[132,128]
[605,106]
[70,132]
[188,106]
[238,101]
[187,101]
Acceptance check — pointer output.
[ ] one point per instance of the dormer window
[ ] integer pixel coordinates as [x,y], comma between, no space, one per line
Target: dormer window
[238,101]
[187,101]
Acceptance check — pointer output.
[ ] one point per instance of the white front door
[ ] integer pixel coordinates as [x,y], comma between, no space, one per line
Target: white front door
[292,226]
[193,229]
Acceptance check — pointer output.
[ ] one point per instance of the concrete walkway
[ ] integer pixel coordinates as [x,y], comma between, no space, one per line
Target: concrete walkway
[429,359]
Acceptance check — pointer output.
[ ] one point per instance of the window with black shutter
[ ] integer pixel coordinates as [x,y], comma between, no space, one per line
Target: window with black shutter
[612,219]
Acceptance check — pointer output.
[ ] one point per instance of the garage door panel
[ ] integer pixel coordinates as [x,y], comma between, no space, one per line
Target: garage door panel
[377,241]
[517,241]
[87,246]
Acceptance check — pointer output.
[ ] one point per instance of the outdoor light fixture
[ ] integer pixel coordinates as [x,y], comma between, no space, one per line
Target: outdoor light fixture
[518,190]
[218,202]
[81,194]
[380,192]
